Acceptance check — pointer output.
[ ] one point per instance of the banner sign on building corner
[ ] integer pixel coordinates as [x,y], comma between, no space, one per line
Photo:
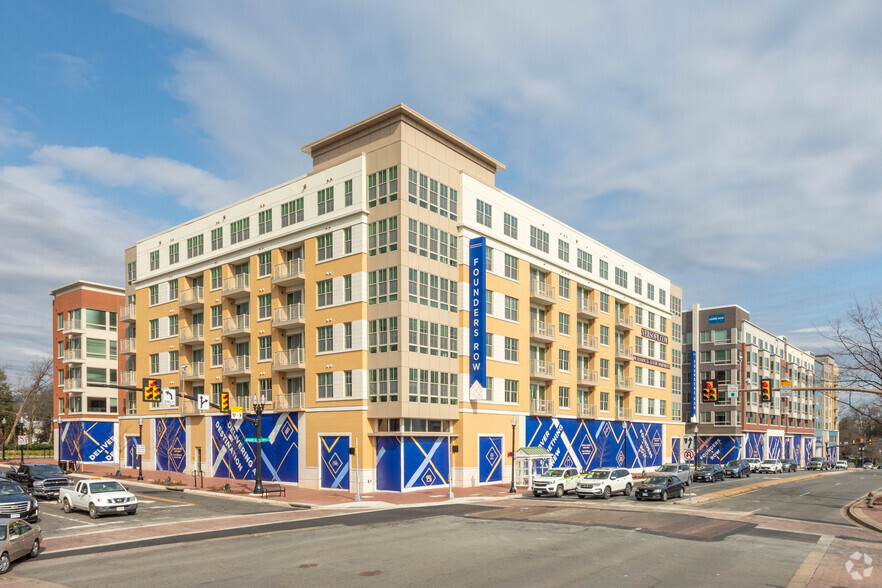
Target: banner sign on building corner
[477,318]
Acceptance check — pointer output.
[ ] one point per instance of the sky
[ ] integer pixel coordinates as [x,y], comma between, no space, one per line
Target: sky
[733,147]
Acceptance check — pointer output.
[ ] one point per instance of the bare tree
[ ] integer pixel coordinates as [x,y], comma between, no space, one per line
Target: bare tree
[32,390]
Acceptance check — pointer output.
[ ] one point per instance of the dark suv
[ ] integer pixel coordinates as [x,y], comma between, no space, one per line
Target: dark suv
[736,468]
[15,503]
[817,463]
[40,479]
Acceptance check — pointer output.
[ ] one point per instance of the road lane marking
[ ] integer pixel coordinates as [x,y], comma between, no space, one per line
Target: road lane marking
[164,499]
[805,493]
[804,574]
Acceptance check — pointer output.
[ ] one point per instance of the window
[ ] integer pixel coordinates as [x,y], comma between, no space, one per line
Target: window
[489,347]
[604,302]
[604,401]
[347,383]
[154,363]
[217,278]
[432,243]
[173,325]
[347,193]
[217,355]
[383,236]
[173,290]
[383,186]
[383,285]
[638,345]
[650,348]
[96,318]
[604,335]
[511,267]
[432,290]
[292,212]
[638,405]
[511,349]
[347,240]
[488,301]
[264,264]
[325,338]
[676,305]
[650,406]
[239,230]
[383,385]
[564,326]
[510,226]
[347,288]
[217,238]
[604,270]
[539,239]
[195,246]
[216,316]
[96,348]
[265,221]
[326,200]
[583,260]
[638,374]
[511,390]
[563,357]
[347,335]
[264,348]
[650,319]
[154,260]
[650,291]
[484,214]
[489,258]
[325,385]
[511,308]
[563,397]
[173,361]
[621,278]
[174,255]
[564,287]
[638,286]
[604,368]
[154,295]
[264,306]
[131,272]
[563,250]
[662,324]
[96,375]
[662,297]
[325,290]
[325,246]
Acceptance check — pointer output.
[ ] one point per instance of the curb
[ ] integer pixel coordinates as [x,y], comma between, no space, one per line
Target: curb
[856,513]
[756,486]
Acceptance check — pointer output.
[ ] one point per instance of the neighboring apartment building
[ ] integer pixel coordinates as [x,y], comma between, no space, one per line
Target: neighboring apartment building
[84,337]
[737,352]
[342,299]
[827,407]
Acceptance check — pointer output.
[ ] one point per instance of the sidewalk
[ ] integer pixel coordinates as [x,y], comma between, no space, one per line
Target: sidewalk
[869,517]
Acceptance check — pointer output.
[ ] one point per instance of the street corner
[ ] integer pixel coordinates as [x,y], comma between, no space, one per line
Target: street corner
[849,563]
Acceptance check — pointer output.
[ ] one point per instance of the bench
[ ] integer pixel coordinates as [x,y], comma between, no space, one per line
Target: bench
[273,489]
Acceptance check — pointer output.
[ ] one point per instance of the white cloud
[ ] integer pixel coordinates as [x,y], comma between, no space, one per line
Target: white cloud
[71,71]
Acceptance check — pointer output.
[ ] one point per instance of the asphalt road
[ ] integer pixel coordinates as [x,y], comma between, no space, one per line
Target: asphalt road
[404,548]
[154,506]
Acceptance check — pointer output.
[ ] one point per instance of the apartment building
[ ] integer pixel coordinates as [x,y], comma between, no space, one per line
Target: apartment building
[344,301]
[740,354]
[85,353]
[826,407]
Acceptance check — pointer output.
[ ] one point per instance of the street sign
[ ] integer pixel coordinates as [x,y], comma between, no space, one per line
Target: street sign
[140,449]
[22,440]
[732,390]
[689,442]
[254,439]
[202,402]
[236,413]
[689,455]
[785,388]
[168,397]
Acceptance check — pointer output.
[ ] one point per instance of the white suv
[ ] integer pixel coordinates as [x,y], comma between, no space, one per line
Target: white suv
[605,482]
[754,463]
[557,481]
[771,466]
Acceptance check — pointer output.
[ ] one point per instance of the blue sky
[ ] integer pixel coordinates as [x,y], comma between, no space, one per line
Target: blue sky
[733,148]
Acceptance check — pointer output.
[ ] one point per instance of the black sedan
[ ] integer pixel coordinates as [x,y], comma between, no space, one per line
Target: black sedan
[709,473]
[789,465]
[737,468]
[661,488]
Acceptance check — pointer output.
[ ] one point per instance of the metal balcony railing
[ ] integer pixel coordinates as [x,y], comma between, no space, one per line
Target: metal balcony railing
[588,308]
[624,351]
[237,365]
[623,414]
[293,401]
[193,370]
[587,342]
[587,410]
[73,325]
[236,325]
[541,406]
[542,291]
[73,355]
[192,334]
[624,320]
[287,272]
[128,378]
[127,313]
[127,345]
[624,383]
[542,330]
[586,376]
[288,315]
[238,284]
[289,359]
[541,369]
[191,297]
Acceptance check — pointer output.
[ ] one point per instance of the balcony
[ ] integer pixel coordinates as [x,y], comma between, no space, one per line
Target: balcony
[541,406]
[288,316]
[237,366]
[587,342]
[127,346]
[289,359]
[288,273]
[192,334]
[625,352]
[242,401]
[541,369]
[192,298]
[587,377]
[293,401]
[542,293]
[127,313]
[193,371]
[74,385]
[624,321]
[623,414]
[542,331]
[73,355]
[237,325]
[73,326]
[587,411]
[237,286]
[624,383]
[128,378]
[588,308]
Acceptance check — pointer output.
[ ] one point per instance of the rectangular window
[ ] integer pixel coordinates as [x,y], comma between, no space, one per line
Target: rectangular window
[564,327]
[347,193]
[511,308]
[604,335]
[265,221]
[510,226]
[383,285]
[264,348]
[264,264]
[604,270]
[217,238]
[662,297]
[563,397]
[638,405]
[96,348]
[173,325]
[131,272]
[511,267]
[621,277]
[604,368]
[292,212]
[564,360]
[347,240]
[217,279]
[650,291]
[326,200]
[173,290]
[511,349]
[173,361]
[383,236]
[154,295]
[154,363]
[325,385]
[539,239]
[216,316]
[564,287]
[604,302]
[325,246]
[383,186]
[325,338]
[347,335]
[484,214]
[583,260]
[638,286]
[195,246]
[511,391]
[174,255]
[154,260]
[347,288]
[217,355]
[662,407]
[563,250]
[325,291]
[264,306]
[239,230]
[604,401]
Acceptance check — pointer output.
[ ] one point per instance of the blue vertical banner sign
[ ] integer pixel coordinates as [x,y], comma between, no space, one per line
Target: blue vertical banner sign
[477,317]
[694,394]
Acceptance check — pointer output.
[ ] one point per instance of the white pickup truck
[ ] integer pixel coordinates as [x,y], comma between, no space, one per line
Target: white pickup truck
[98,496]
[557,481]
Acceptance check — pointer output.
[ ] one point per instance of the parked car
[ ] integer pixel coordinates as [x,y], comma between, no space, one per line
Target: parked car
[771,466]
[17,539]
[789,465]
[40,479]
[660,487]
[681,470]
[98,496]
[605,482]
[557,481]
[841,465]
[817,463]
[754,463]
[868,465]
[15,503]
[709,473]
[737,468]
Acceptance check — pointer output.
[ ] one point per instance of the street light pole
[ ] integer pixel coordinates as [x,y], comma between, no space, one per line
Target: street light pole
[3,423]
[258,474]
[140,442]
[20,444]
[514,423]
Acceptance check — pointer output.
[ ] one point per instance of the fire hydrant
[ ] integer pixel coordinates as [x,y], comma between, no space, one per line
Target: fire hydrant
[870,500]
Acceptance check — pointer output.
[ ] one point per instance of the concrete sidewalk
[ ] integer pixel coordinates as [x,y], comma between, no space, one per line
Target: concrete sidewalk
[868,517]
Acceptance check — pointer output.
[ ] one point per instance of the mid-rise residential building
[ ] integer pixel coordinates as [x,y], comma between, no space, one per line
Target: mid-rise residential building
[827,407]
[86,355]
[739,354]
[395,300]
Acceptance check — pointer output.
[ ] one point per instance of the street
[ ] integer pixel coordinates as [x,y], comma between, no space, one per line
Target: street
[769,536]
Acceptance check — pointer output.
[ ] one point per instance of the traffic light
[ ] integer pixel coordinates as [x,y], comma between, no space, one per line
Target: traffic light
[766,390]
[225,401]
[709,391]
[352,451]
[152,389]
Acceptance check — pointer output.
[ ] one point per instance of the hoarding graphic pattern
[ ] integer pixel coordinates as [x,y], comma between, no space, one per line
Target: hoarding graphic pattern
[171,444]
[233,457]
[719,449]
[775,447]
[490,459]
[589,444]
[88,441]
[426,462]
[389,463]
